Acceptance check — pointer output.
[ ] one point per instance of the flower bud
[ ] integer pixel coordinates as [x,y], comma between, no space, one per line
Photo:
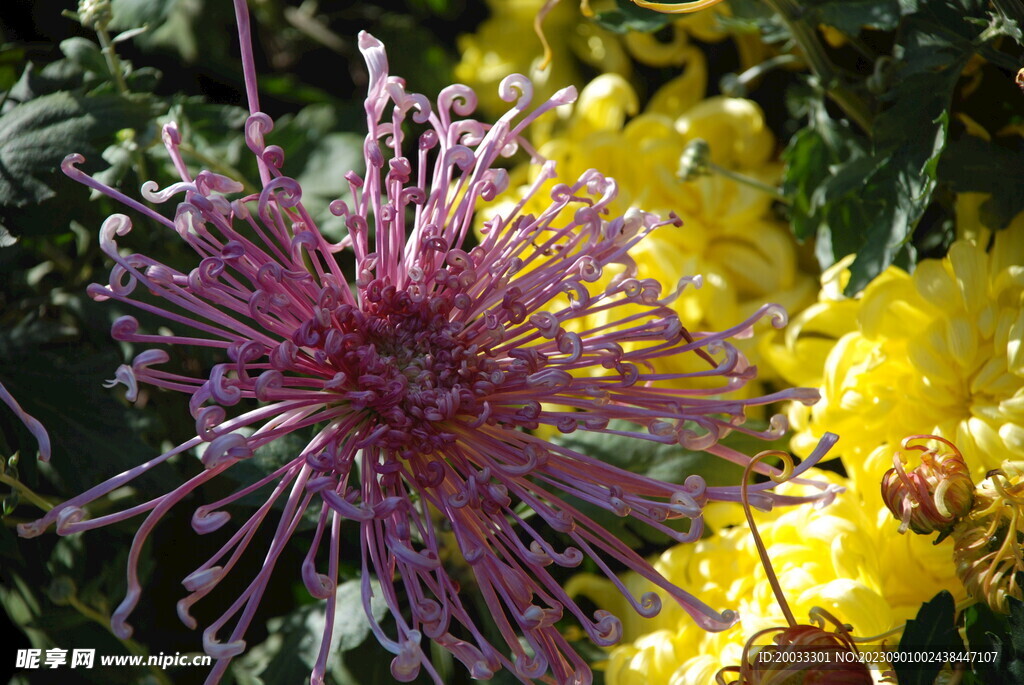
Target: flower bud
[932,496]
[987,543]
[95,13]
[788,659]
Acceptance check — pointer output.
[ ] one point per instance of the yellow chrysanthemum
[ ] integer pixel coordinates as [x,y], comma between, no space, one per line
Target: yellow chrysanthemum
[506,43]
[845,558]
[745,256]
[937,352]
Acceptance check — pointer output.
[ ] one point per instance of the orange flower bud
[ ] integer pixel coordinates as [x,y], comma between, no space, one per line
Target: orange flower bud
[932,496]
[789,660]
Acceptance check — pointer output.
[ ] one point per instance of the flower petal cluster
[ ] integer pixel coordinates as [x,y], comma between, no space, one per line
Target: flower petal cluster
[507,42]
[844,558]
[422,365]
[936,352]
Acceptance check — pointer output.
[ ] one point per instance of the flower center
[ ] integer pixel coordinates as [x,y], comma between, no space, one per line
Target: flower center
[406,367]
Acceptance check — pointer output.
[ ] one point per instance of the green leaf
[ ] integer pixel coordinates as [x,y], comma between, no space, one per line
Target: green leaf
[850,16]
[867,197]
[826,163]
[130,14]
[11,65]
[52,78]
[626,17]
[292,649]
[934,629]
[35,137]
[996,167]
[84,53]
[987,631]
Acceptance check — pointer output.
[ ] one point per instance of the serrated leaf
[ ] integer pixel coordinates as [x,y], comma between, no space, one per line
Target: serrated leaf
[36,136]
[934,629]
[871,203]
[52,78]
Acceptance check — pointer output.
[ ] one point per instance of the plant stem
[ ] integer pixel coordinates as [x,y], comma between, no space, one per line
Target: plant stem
[774,191]
[26,492]
[114,65]
[113,62]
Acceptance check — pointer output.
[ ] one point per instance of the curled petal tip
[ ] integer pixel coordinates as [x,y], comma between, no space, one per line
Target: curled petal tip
[186,618]
[219,650]
[170,134]
[67,518]
[119,625]
[566,95]
[367,41]
[33,529]
[203,579]
[68,165]
[204,522]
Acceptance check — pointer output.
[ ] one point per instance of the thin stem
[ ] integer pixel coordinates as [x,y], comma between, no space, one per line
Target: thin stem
[762,552]
[117,72]
[113,62]
[695,162]
[302,18]
[774,191]
[737,86]
[25,492]
[873,639]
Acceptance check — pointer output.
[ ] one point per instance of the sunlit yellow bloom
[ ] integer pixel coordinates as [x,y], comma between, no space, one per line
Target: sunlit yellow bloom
[730,236]
[845,558]
[506,43]
[937,352]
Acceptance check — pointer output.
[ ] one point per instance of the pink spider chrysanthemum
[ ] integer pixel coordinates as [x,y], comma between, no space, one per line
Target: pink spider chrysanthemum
[423,371]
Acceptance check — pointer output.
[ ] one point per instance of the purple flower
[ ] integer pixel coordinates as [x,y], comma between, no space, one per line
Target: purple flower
[425,364]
